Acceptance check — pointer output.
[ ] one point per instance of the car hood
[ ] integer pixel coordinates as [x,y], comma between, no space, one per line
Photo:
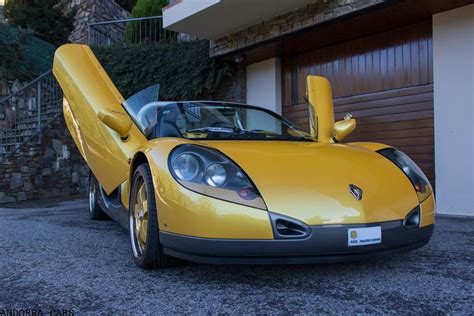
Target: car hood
[310,181]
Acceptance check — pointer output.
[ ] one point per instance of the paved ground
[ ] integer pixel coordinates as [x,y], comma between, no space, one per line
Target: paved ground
[53,257]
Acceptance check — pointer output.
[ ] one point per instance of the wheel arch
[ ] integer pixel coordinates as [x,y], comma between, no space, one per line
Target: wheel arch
[138,159]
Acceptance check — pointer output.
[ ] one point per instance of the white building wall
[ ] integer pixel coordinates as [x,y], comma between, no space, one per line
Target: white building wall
[264,84]
[453,61]
[175,13]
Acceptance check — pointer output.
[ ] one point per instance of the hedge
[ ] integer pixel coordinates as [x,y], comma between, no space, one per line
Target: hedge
[184,70]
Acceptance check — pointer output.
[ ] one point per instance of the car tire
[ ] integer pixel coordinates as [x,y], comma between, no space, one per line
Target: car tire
[147,251]
[95,211]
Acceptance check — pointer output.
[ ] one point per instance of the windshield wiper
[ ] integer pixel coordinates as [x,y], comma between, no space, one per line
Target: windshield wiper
[212,130]
[229,130]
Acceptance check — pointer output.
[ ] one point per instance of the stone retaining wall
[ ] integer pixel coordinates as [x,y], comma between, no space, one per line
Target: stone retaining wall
[90,11]
[53,168]
[320,11]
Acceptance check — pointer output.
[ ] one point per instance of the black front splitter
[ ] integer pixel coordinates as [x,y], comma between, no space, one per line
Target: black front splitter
[325,244]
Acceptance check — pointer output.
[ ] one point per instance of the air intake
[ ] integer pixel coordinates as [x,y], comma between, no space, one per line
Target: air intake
[288,228]
[413,219]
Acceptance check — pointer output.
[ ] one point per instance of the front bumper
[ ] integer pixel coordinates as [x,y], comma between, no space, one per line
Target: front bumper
[325,244]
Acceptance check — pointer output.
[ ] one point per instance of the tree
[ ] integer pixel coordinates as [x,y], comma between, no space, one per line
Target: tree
[45,18]
[127,4]
[145,8]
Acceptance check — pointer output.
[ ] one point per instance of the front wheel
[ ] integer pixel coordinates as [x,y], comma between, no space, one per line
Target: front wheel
[95,211]
[143,223]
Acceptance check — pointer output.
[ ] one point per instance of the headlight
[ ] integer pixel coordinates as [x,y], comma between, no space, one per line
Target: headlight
[216,175]
[209,172]
[413,172]
[186,166]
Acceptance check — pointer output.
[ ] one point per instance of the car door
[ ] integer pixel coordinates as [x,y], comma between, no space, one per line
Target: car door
[90,95]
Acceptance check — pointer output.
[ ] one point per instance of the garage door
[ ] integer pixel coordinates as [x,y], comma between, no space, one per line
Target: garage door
[385,80]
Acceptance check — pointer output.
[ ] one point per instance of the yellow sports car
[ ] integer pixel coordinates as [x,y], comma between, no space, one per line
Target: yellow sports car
[219,182]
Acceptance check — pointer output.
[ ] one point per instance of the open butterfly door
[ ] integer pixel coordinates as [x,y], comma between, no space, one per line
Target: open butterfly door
[102,130]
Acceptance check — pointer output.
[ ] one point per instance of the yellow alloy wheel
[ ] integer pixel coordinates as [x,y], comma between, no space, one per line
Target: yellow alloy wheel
[143,223]
[140,217]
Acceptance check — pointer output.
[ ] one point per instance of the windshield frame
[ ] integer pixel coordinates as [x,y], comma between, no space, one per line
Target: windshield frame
[276,116]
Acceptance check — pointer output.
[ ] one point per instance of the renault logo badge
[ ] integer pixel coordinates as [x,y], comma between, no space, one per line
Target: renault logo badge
[356,192]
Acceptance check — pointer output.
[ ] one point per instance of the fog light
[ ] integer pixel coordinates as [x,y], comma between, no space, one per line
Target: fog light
[413,219]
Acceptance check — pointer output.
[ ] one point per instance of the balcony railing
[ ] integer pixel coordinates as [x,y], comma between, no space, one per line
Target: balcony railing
[131,31]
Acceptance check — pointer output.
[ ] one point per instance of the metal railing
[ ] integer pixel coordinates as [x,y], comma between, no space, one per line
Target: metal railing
[130,31]
[25,113]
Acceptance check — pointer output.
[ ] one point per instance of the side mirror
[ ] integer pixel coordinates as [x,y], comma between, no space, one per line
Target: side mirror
[119,122]
[344,128]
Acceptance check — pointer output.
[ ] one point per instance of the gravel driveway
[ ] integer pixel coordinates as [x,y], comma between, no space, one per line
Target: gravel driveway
[54,258]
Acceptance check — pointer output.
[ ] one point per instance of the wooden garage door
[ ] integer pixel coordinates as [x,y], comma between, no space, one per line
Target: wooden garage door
[385,80]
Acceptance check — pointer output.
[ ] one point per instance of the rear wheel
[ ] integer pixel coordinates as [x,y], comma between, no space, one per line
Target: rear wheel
[95,212]
[143,223]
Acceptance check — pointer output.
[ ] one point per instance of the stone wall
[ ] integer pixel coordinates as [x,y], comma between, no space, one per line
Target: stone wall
[90,11]
[313,14]
[53,168]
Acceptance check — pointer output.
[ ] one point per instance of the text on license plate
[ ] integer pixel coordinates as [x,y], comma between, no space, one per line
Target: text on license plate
[364,236]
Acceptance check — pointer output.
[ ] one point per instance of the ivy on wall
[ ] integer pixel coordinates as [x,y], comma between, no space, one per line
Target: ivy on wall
[184,70]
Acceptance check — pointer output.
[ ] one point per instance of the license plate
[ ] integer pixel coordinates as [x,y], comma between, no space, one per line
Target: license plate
[364,236]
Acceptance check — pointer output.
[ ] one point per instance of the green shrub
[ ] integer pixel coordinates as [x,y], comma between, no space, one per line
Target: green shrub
[184,70]
[146,30]
[145,8]
[43,17]
[127,4]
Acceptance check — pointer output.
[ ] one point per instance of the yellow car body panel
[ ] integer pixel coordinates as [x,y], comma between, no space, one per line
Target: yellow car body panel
[319,95]
[369,146]
[182,211]
[310,181]
[428,211]
[287,189]
[88,90]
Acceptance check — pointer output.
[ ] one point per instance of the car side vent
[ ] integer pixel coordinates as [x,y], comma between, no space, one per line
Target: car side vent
[287,228]
[413,219]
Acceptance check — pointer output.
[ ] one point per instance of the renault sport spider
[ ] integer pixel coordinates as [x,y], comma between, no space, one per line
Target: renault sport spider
[220,182]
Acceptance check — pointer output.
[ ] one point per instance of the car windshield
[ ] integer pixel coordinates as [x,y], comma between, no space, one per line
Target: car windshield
[225,121]
[143,107]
